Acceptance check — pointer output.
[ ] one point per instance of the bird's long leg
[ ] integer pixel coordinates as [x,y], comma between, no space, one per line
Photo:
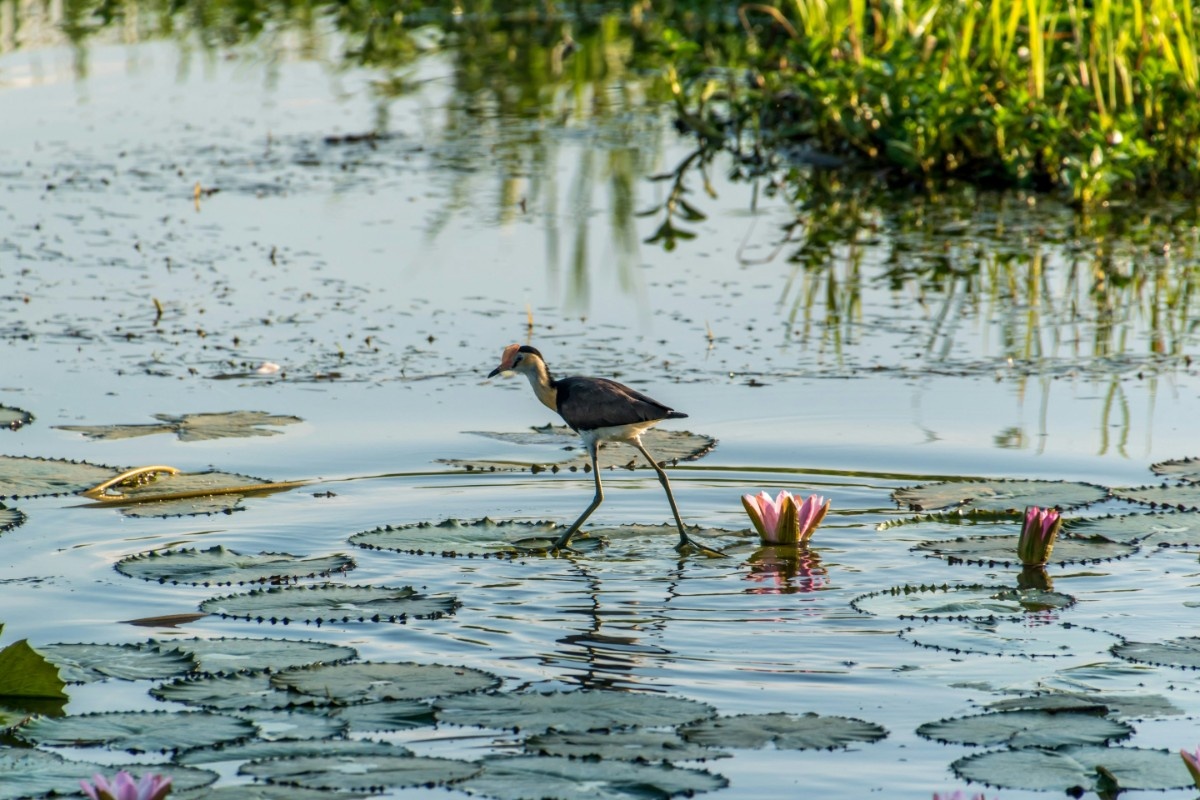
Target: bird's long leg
[562,541]
[684,539]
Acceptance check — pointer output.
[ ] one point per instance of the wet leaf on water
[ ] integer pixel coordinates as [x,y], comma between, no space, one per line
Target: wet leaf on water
[14,418]
[483,537]
[965,517]
[987,550]
[359,773]
[389,715]
[22,476]
[647,747]
[666,446]
[1019,729]
[959,602]
[557,778]
[375,681]
[1068,767]
[1184,469]
[1173,529]
[25,674]
[262,791]
[1183,652]
[10,518]
[1010,638]
[531,712]
[999,495]
[239,691]
[193,427]
[1120,706]
[784,731]
[84,663]
[33,773]
[1184,497]
[259,749]
[222,655]
[185,494]
[330,603]
[219,566]
[164,620]
[285,725]
[136,731]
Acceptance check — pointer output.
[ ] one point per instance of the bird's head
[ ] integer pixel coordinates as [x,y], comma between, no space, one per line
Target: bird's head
[518,358]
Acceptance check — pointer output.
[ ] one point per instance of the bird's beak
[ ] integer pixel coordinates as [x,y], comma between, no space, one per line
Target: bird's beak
[495,372]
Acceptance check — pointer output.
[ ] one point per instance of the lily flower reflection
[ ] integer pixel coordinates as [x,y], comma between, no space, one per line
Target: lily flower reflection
[151,787]
[784,520]
[786,570]
[1037,535]
[1192,762]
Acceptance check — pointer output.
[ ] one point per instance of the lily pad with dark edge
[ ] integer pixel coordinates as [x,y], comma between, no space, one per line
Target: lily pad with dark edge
[240,691]
[647,747]
[557,778]
[964,518]
[227,655]
[331,603]
[193,427]
[84,663]
[1184,469]
[33,773]
[14,418]
[1183,652]
[10,518]
[375,681]
[784,731]
[1010,638]
[362,773]
[531,712]
[22,476]
[259,749]
[999,495]
[388,715]
[1119,706]
[295,723]
[27,675]
[1152,529]
[991,550]
[960,602]
[483,537]
[1184,497]
[136,731]
[261,791]
[220,566]
[1027,729]
[666,446]
[189,494]
[1069,767]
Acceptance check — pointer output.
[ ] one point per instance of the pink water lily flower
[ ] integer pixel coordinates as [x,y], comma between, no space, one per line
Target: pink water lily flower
[151,787]
[1037,535]
[784,520]
[1192,762]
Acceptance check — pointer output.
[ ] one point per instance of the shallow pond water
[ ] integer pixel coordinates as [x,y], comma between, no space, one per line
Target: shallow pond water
[385,275]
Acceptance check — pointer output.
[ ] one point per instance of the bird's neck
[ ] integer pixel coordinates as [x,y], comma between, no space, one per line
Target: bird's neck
[543,385]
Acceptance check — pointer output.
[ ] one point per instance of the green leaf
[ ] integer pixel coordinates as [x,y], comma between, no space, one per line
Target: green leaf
[1184,497]
[10,518]
[784,731]
[240,691]
[84,663]
[290,748]
[1182,652]
[41,477]
[33,773]
[220,566]
[136,731]
[14,418]
[989,550]
[1175,529]
[531,712]
[1121,706]
[224,655]
[959,602]
[1027,729]
[361,773]
[999,495]
[646,747]
[193,427]
[1069,767]
[1184,469]
[25,673]
[1010,638]
[555,778]
[375,681]
[330,603]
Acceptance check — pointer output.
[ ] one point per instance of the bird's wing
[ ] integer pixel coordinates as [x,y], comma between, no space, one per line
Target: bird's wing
[590,403]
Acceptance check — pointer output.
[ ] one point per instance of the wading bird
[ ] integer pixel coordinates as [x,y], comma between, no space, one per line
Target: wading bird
[599,410]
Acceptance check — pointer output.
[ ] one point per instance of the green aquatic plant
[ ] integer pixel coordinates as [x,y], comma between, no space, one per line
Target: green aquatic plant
[193,427]
[27,678]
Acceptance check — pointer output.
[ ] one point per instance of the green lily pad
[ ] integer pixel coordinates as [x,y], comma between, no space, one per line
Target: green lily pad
[992,550]
[240,691]
[290,748]
[1018,729]
[484,537]
[1010,638]
[784,731]
[84,663]
[1174,529]
[262,791]
[21,476]
[531,712]
[372,773]
[330,603]
[219,566]
[25,674]
[666,446]
[375,681]
[556,778]
[1184,497]
[10,518]
[958,518]
[959,602]
[999,495]
[1184,469]
[222,655]
[1059,770]
[389,715]
[294,723]
[193,427]
[646,747]
[136,731]
[189,494]
[1183,652]
[14,418]
[33,773]
[1120,706]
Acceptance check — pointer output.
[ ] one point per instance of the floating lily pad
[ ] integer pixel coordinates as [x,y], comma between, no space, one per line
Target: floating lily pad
[531,712]
[330,603]
[262,791]
[1120,706]
[10,518]
[240,691]
[1069,767]
[250,655]
[666,446]
[259,749]
[991,550]
[647,747]
[219,566]
[1173,529]
[1183,652]
[33,773]
[965,517]
[193,427]
[1010,638]
[1018,729]
[484,537]
[1184,497]
[136,731]
[371,682]
[1184,469]
[390,715]
[556,778]
[359,773]
[295,723]
[14,418]
[784,731]
[999,495]
[43,477]
[84,663]
[959,602]
[189,494]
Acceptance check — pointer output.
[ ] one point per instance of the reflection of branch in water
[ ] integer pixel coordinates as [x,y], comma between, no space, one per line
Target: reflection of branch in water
[1115,396]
